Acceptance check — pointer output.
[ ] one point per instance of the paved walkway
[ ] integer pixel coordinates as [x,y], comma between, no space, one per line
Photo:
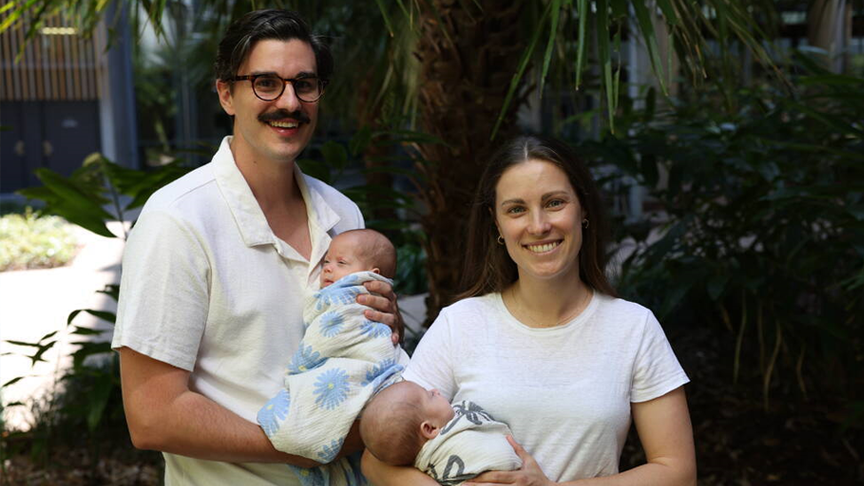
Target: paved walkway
[34,303]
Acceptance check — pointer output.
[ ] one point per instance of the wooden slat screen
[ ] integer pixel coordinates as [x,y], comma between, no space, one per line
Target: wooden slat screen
[58,64]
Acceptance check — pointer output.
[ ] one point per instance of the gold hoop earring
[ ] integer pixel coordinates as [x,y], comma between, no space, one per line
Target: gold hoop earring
[500,240]
[585,223]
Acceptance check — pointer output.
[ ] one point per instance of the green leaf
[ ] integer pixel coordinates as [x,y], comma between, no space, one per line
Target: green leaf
[111,290]
[104,315]
[89,348]
[716,285]
[605,58]
[646,25]
[13,381]
[98,399]
[360,141]
[383,9]
[315,168]
[582,7]
[22,343]
[335,154]
[84,331]
[550,44]
[520,71]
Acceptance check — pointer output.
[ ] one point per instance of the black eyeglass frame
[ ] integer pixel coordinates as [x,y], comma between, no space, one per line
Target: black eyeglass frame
[322,84]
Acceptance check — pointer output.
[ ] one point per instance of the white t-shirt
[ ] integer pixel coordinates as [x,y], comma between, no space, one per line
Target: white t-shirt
[207,287]
[564,391]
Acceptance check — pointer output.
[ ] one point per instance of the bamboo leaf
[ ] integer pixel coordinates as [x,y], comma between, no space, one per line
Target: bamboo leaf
[12,382]
[520,71]
[646,25]
[582,7]
[383,9]
[550,44]
[98,401]
[605,59]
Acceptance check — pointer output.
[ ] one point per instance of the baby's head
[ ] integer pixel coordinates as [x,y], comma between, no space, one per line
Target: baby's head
[400,419]
[358,251]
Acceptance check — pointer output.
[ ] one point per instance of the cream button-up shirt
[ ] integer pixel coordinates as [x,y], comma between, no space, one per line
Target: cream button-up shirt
[209,288]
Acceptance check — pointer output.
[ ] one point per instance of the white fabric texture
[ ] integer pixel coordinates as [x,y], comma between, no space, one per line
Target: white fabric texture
[207,287]
[343,360]
[470,444]
[564,391]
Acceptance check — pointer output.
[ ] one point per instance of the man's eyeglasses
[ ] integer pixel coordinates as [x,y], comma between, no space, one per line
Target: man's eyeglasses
[268,87]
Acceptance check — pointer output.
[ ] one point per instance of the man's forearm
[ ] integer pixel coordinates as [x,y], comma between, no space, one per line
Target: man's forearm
[195,426]
[164,415]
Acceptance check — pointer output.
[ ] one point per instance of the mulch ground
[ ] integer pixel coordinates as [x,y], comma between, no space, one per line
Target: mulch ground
[795,442]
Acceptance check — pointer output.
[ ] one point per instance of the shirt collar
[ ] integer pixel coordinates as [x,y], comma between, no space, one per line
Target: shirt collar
[250,219]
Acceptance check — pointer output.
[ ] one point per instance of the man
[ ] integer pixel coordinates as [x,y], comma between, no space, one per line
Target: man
[216,269]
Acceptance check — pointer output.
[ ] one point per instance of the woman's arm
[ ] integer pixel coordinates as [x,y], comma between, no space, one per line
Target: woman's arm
[381,474]
[666,435]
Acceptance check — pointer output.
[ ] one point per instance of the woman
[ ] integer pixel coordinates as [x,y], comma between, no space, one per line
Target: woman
[543,343]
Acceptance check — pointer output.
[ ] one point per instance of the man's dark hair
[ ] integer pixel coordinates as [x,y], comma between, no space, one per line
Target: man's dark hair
[276,24]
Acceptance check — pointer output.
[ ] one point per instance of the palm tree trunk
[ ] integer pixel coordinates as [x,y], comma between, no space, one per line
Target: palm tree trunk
[468,59]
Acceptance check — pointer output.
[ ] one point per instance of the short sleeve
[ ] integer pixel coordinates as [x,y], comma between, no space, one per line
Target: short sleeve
[656,369]
[164,291]
[431,364]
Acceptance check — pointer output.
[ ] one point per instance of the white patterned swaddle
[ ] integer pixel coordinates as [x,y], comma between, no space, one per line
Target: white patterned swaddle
[343,360]
[469,445]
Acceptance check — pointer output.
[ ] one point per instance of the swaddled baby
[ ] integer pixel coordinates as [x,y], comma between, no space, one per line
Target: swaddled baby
[406,424]
[342,361]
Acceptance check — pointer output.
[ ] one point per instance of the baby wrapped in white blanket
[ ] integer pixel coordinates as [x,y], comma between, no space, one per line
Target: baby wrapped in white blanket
[407,424]
[343,360]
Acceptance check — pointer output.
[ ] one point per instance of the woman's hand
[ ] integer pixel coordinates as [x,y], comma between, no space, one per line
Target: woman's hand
[385,309]
[529,475]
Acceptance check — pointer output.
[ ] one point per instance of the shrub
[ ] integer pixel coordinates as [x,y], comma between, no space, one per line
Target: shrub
[32,241]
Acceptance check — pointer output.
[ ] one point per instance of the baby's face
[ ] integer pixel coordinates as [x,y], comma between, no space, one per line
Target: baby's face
[436,408]
[342,258]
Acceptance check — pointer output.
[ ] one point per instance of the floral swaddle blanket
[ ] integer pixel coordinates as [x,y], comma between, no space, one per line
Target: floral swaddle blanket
[469,445]
[343,360]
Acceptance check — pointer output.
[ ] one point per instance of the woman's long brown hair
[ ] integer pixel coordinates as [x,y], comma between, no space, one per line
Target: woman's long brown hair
[488,266]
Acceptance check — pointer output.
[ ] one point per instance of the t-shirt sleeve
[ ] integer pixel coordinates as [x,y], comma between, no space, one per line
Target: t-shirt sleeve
[656,369]
[431,364]
[164,291]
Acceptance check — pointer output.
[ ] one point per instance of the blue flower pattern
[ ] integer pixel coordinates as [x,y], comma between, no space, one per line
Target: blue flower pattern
[304,360]
[310,476]
[331,323]
[328,453]
[331,388]
[336,294]
[374,329]
[274,412]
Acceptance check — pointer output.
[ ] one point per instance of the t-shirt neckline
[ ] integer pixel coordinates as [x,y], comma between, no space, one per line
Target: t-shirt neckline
[511,320]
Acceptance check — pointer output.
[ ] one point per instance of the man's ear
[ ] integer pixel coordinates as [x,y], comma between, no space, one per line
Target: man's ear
[376,270]
[226,98]
[429,431]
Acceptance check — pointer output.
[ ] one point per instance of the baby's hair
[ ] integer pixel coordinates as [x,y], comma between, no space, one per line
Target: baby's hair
[390,428]
[379,250]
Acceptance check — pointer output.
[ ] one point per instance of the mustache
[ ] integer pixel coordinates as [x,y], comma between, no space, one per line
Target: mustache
[283,113]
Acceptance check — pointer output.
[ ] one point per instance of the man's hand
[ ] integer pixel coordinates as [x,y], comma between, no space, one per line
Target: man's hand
[385,309]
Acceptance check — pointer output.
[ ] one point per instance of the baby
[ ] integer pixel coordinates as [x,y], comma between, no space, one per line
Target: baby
[406,424]
[342,361]
[358,251]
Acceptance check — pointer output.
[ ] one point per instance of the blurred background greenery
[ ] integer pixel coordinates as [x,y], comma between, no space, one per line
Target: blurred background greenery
[728,137]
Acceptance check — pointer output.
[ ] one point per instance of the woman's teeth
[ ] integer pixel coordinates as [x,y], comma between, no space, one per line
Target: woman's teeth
[543,248]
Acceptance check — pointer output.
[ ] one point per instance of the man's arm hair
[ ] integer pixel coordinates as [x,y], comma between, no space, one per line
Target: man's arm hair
[164,415]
